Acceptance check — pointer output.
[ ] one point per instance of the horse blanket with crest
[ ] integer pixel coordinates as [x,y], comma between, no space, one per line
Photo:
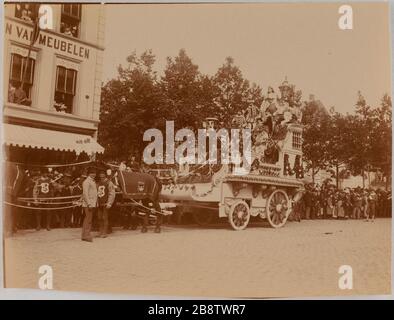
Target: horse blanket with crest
[138,186]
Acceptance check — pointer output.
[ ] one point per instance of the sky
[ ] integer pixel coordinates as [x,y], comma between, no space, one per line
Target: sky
[267,41]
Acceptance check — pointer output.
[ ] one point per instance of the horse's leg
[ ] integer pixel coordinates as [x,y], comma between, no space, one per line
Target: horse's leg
[145,221]
[159,218]
[125,218]
[134,220]
[158,223]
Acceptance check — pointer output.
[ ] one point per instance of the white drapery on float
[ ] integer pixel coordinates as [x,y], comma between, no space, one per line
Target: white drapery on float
[21,136]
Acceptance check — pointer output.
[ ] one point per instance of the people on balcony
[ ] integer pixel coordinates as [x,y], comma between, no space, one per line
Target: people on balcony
[69,30]
[19,96]
[27,15]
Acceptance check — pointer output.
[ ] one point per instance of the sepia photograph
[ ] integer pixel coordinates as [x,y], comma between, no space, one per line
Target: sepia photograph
[197,150]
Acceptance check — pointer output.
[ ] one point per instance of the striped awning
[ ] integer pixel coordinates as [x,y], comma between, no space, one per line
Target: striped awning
[21,136]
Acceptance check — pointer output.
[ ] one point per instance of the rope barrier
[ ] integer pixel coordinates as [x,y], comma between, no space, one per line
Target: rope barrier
[39,208]
[111,165]
[53,165]
[50,198]
[151,210]
[47,203]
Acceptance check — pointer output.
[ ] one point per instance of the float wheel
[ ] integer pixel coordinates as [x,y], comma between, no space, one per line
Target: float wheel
[239,215]
[278,208]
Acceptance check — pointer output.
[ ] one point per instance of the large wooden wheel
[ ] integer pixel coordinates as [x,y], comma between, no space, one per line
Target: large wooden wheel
[278,208]
[239,215]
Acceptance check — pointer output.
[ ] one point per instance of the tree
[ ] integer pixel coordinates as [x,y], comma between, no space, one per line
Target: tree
[361,128]
[206,103]
[340,137]
[315,136]
[129,105]
[181,87]
[233,92]
[366,138]
[381,139]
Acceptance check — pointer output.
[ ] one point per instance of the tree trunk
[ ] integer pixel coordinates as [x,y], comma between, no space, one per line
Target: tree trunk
[313,173]
[369,179]
[337,175]
[362,174]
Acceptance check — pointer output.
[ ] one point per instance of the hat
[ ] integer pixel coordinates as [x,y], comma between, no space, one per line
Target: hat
[91,170]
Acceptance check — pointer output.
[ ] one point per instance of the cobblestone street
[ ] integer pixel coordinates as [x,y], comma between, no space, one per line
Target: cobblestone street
[300,259]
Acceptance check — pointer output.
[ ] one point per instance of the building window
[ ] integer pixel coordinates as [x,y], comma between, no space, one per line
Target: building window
[27,11]
[20,91]
[70,20]
[297,140]
[65,89]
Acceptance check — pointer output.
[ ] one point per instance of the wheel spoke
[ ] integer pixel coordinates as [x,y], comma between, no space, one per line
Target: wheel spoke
[275,220]
[235,218]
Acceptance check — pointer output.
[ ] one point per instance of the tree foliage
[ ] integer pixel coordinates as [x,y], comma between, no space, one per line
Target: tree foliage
[129,105]
[352,143]
[316,121]
[138,99]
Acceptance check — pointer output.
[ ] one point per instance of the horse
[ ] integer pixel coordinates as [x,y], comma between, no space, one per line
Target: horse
[142,190]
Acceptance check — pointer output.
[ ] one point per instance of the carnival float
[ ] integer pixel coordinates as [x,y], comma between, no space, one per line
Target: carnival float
[273,183]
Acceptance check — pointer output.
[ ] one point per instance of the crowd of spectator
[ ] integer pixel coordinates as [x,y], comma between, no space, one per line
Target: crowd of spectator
[326,201]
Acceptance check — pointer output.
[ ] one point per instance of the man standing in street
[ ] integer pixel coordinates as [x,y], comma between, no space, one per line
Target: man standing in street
[89,203]
[106,197]
[372,203]
[308,203]
[43,189]
[77,213]
[357,203]
[65,191]
[364,203]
